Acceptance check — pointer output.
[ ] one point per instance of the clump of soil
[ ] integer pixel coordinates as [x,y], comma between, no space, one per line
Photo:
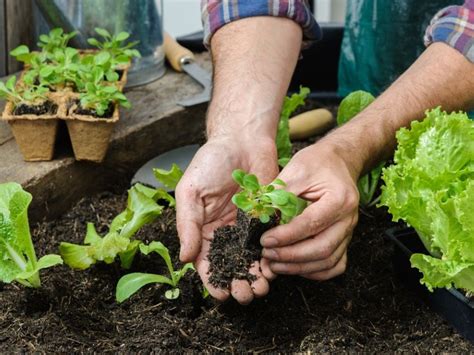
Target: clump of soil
[79,110]
[235,248]
[48,107]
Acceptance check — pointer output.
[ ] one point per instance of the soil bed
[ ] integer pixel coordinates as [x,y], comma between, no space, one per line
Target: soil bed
[367,309]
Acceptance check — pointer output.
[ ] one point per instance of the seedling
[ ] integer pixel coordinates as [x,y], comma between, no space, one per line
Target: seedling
[98,97]
[142,209]
[283,142]
[18,260]
[350,107]
[120,52]
[56,39]
[33,95]
[131,283]
[265,201]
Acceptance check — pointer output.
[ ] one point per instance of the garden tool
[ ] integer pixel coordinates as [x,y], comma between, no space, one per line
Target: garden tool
[302,126]
[182,60]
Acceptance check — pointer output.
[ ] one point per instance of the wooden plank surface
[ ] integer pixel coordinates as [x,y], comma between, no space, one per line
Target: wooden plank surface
[19,28]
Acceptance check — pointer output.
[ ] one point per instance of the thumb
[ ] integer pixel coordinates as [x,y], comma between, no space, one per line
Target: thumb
[189,222]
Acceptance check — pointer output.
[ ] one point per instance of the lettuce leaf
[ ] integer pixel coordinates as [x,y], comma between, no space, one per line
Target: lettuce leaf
[283,142]
[431,187]
[18,260]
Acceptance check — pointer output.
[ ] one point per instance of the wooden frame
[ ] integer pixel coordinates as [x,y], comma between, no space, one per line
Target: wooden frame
[3,41]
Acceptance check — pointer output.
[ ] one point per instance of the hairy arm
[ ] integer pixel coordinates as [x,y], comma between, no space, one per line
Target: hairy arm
[440,77]
[254,59]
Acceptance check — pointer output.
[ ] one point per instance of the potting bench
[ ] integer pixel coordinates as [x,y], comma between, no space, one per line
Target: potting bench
[154,124]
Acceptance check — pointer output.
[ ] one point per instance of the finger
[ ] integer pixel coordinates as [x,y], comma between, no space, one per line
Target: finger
[312,266]
[318,247]
[314,219]
[241,291]
[189,220]
[260,287]
[202,267]
[337,270]
[266,271]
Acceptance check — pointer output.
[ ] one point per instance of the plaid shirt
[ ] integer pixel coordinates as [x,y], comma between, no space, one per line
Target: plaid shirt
[453,25]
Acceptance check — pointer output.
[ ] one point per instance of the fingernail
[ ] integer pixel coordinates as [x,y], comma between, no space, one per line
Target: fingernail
[270,254]
[269,242]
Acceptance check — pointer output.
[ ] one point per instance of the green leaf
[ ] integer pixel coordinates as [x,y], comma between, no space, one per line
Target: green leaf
[242,201]
[169,178]
[238,176]
[279,182]
[264,218]
[352,105]
[279,197]
[102,57]
[92,237]
[131,283]
[127,256]
[10,84]
[20,50]
[283,142]
[250,182]
[172,294]
[94,42]
[122,36]
[103,32]
[159,248]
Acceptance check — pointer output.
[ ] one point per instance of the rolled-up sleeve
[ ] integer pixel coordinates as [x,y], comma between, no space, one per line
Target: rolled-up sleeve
[454,25]
[217,13]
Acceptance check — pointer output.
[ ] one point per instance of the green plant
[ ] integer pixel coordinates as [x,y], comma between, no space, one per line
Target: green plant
[18,260]
[120,52]
[169,178]
[351,106]
[131,283]
[283,142]
[31,95]
[56,39]
[431,187]
[263,201]
[142,209]
[99,96]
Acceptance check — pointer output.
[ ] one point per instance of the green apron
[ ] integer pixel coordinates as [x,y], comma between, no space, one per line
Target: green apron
[382,38]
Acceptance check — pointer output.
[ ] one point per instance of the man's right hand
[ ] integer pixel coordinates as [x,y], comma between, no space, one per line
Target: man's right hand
[204,203]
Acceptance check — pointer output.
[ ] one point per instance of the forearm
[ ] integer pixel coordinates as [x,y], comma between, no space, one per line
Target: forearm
[440,77]
[254,60]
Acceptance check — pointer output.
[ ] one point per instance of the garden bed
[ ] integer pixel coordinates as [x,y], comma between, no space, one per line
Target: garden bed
[367,309]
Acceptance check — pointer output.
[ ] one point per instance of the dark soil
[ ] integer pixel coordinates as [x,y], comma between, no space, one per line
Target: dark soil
[367,309]
[87,112]
[235,248]
[48,107]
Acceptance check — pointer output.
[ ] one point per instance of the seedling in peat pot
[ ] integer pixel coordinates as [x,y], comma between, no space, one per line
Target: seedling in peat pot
[18,260]
[263,201]
[120,52]
[350,107]
[56,39]
[131,283]
[99,98]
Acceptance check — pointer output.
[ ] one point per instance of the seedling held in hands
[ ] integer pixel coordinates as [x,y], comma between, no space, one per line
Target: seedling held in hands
[263,201]
[131,283]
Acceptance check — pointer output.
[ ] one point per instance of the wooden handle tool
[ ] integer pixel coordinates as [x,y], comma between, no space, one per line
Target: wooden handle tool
[176,54]
[311,123]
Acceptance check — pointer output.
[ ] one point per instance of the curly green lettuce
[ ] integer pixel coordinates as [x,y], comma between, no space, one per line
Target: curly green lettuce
[431,187]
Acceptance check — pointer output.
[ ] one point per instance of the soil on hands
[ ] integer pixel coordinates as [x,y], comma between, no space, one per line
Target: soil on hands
[235,248]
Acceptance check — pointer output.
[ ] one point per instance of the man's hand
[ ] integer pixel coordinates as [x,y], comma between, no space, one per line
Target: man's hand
[314,244]
[204,204]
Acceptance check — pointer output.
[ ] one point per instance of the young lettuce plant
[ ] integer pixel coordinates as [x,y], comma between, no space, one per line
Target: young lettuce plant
[431,187]
[98,97]
[264,201]
[142,209]
[283,142]
[18,260]
[350,107]
[120,52]
[56,39]
[32,95]
[131,283]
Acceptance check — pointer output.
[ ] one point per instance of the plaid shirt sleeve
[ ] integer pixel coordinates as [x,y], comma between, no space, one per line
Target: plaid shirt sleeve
[454,25]
[217,13]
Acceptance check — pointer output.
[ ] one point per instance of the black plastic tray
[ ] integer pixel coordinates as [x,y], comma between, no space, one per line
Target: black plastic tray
[451,304]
